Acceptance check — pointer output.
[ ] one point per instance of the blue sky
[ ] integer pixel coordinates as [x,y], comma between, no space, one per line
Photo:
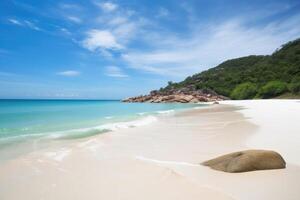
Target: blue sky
[115,49]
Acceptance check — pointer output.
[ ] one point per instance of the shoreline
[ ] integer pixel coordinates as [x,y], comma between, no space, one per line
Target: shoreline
[161,160]
[34,141]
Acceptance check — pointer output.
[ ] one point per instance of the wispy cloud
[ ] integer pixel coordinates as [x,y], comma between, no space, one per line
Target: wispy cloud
[100,39]
[29,7]
[107,6]
[24,23]
[207,47]
[74,19]
[14,21]
[71,6]
[70,73]
[169,53]
[114,71]
[114,32]
[70,12]
[65,31]
[31,25]
[118,20]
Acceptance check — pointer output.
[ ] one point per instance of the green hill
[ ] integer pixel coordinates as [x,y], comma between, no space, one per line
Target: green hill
[251,76]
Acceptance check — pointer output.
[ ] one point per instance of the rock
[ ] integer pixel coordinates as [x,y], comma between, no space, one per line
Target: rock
[182,95]
[153,92]
[188,98]
[215,102]
[244,161]
[202,98]
[194,100]
[167,98]
[158,99]
[178,98]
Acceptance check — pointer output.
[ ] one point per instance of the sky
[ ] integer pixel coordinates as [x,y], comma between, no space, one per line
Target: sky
[94,49]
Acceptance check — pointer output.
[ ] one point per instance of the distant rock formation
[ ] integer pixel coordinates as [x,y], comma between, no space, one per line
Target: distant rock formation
[183,95]
[244,161]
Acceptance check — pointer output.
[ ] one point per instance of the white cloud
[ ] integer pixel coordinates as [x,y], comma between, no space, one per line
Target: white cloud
[181,53]
[65,31]
[25,23]
[100,39]
[116,72]
[107,6]
[74,19]
[207,47]
[125,31]
[14,21]
[118,21]
[70,12]
[106,53]
[70,6]
[69,73]
[114,32]
[31,25]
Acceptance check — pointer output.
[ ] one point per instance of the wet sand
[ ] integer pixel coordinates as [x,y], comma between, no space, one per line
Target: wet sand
[159,160]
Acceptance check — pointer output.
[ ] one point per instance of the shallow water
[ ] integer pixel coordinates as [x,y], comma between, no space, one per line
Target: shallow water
[69,119]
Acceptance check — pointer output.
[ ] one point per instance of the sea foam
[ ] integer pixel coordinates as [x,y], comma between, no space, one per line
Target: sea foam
[121,125]
[85,132]
[166,112]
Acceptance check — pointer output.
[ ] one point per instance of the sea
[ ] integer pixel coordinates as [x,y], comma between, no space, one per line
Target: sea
[33,120]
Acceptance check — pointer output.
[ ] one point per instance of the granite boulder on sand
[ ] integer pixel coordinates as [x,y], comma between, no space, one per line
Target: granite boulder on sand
[244,161]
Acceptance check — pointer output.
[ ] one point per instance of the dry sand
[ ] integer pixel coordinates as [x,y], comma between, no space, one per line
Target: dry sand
[161,160]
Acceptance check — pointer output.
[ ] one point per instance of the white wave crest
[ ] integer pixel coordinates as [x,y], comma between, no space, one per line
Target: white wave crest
[166,112]
[84,132]
[130,124]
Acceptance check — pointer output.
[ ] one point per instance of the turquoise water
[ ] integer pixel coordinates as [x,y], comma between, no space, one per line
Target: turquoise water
[68,119]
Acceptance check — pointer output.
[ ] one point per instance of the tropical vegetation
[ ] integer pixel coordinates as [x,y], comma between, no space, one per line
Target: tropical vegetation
[253,76]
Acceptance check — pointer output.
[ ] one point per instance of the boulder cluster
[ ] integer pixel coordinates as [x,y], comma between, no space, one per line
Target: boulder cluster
[184,95]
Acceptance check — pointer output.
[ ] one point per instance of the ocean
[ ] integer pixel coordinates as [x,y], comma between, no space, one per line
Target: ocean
[27,120]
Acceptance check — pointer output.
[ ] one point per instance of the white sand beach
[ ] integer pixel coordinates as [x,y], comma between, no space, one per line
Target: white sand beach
[161,160]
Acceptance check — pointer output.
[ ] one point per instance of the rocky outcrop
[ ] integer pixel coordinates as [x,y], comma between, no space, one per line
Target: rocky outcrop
[244,161]
[184,95]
